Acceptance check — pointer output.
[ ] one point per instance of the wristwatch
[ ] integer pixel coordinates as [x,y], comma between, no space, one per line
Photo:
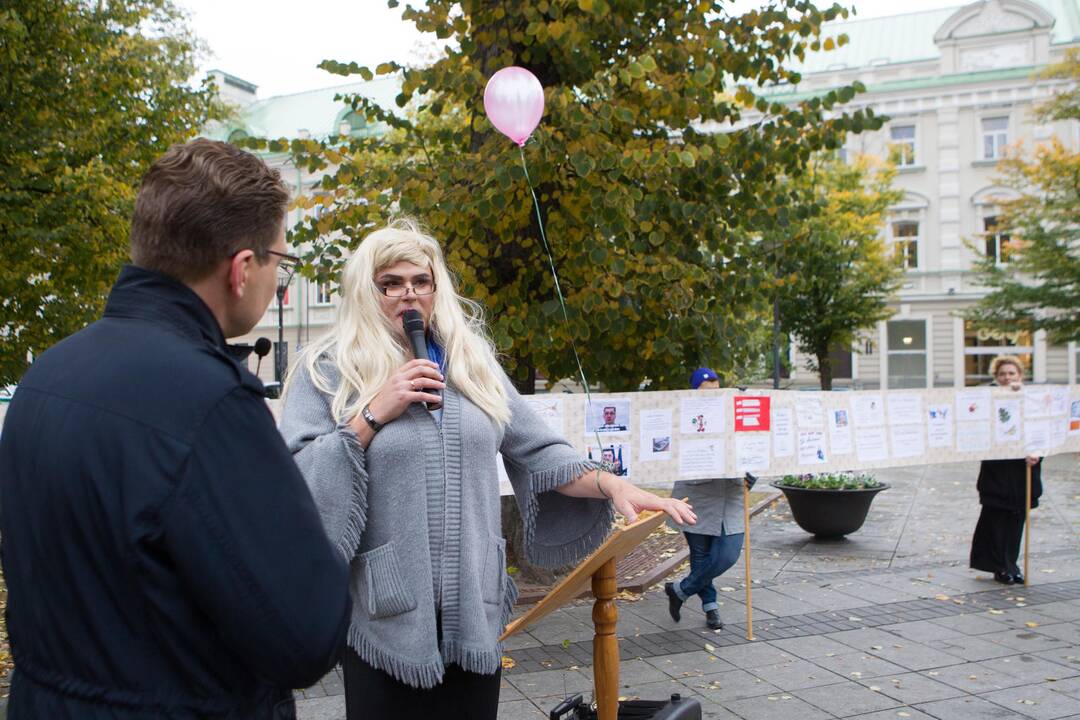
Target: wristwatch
[374,424]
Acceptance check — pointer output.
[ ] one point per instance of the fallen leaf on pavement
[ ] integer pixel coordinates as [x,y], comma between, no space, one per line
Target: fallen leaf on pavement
[508,662]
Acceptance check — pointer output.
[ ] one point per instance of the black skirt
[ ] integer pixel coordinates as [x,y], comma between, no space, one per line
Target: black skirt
[996,544]
[371,694]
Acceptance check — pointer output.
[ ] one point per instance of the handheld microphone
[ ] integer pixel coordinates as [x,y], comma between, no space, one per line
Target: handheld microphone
[262,349]
[414,329]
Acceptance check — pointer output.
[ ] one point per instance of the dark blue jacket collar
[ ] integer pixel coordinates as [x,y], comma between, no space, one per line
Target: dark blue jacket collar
[156,297]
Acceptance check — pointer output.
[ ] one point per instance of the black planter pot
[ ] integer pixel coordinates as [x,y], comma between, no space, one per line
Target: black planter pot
[829,513]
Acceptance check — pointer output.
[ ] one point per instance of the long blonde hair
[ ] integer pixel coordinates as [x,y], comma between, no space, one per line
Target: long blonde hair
[366,349]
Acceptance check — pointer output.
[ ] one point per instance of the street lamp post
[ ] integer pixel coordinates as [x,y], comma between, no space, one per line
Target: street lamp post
[281,355]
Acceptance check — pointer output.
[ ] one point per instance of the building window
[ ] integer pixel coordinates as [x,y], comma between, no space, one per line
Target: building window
[902,145]
[997,241]
[906,244]
[323,293]
[982,346]
[995,134]
[907,353]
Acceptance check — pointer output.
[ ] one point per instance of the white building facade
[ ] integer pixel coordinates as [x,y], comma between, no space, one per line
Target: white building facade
[958,86]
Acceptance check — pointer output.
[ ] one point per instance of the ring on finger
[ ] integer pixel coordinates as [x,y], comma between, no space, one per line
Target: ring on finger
[412,384]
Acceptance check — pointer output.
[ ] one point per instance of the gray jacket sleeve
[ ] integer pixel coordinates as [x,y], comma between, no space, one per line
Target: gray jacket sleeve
[330,458]
[559,530]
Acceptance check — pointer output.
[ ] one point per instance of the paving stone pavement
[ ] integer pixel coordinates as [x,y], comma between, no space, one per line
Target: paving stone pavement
[889,623]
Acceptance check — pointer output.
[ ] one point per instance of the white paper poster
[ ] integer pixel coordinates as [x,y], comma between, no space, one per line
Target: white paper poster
[1006,421]
[870,444]
[1074,417]
[905,409]
[655,435]
[840,432]
[607,417]
[907,441]
[550,408]
[1059,400]
[615,454]
[972,436]
[783,432]
[868,410]
[1037,436]
[1037,401]
[751,452]
[939,432]
[809,414]
[973,405]
[701,457]
[701,416]
[812,448]
[1059,431]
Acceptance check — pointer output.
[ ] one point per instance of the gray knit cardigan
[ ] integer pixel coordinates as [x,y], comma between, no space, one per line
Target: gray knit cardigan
[417,515]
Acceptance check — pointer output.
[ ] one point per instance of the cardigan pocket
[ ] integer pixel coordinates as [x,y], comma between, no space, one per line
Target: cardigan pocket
[493,578]
[386,594]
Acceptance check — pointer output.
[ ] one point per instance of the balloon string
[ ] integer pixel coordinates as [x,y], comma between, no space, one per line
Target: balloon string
[562,301]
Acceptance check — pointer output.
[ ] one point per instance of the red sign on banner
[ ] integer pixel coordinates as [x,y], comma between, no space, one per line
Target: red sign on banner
[751,413]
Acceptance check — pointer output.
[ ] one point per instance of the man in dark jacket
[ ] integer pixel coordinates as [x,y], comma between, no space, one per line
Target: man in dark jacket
[162,553]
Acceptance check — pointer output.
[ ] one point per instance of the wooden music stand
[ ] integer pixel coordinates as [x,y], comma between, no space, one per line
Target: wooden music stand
[599,568]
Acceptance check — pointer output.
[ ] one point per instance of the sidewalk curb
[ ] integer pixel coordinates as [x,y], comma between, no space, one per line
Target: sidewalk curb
[642,583]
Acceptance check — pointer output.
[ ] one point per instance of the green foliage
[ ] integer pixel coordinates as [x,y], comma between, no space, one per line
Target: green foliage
[91,94]
[831,481]
[834,275]
[641,196]
[1039,288]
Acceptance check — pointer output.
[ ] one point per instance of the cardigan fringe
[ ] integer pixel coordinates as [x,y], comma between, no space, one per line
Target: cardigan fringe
[544,480]
[349,542]
[428,675]
[422,675]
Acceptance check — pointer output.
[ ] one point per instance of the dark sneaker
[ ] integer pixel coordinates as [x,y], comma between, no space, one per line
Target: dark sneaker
[1004,578]
[674,604]
[712,619]
[1018,579]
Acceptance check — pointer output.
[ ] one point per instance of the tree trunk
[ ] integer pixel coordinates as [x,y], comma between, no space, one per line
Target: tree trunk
[824,363]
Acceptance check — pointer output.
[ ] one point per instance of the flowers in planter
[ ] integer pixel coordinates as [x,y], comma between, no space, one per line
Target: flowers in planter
[831,481]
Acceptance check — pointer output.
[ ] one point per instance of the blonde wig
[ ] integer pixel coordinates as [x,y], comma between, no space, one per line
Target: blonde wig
[367,349]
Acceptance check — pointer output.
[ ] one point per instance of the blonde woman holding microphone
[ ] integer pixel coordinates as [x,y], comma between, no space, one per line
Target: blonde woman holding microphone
[409,494]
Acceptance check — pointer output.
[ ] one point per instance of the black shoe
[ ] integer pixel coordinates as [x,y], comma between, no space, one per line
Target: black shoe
[1004,578]
[1018,579]
[674,604]
[712,619]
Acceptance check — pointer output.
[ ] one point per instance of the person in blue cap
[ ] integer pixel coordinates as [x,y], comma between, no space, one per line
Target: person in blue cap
[717,538]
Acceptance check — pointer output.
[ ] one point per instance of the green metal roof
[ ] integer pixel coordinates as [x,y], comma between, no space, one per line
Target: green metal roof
[920,83]
[313,110]
[909,37]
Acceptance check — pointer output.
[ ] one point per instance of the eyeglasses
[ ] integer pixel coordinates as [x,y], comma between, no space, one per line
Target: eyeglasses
[396,289]
[286,267]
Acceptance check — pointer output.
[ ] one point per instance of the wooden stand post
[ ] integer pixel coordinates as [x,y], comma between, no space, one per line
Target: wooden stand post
[1027,526]
[599,569]
[746,554]
[605,615]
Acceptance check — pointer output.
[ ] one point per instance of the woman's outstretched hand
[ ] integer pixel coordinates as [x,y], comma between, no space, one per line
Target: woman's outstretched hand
[630,500]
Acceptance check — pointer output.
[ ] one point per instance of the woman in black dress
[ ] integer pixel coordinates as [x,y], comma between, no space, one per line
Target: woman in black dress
[1002,489]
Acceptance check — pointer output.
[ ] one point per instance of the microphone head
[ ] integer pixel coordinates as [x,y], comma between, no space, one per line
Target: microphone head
[262,347]
[412,321]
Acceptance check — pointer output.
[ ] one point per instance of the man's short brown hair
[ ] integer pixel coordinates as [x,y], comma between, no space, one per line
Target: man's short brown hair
[202,202]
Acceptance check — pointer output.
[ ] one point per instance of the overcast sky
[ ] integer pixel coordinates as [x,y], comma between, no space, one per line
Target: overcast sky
[277,44]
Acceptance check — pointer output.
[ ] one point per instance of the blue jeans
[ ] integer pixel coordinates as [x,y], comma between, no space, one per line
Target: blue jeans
[710,557]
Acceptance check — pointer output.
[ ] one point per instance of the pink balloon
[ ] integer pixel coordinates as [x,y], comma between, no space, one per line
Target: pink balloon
[514,102]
